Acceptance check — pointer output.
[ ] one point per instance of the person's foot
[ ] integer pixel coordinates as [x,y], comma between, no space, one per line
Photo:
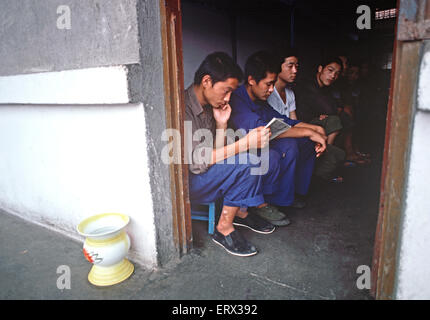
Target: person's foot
[299,202]
[354,159]
[271,214]
[255,223]
[336,179]
[234,243]
[363,154]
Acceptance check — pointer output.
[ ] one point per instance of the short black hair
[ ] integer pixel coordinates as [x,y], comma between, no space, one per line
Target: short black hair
[331,59]
[219,66]
[283,52]
[259,64]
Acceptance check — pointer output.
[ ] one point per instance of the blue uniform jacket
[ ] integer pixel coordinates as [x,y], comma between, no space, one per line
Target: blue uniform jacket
[248,115]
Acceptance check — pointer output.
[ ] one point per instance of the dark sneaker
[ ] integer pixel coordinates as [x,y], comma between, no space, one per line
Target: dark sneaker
[281,223]
[298,204]
[299,201]
[270,213]
[255,223]
[234,244]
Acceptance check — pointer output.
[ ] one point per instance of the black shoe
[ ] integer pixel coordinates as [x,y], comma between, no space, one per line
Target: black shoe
[234,244]
[255,223]
[299,202]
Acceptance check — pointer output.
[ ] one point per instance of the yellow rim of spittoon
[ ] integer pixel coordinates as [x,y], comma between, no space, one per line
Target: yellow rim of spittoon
[81,227]
[104,242]
[107,276]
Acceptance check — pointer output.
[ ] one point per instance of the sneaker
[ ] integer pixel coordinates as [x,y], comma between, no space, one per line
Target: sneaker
[281,223]
[234,244]
[268,212]
[299,202]
[255,223]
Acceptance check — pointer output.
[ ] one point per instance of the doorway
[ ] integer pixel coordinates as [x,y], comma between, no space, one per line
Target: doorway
[196,28]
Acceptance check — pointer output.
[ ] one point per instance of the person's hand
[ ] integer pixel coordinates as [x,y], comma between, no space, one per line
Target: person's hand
[320,130]
[319,149]
[221,115]
[320,142]
[258,138]
[323,116]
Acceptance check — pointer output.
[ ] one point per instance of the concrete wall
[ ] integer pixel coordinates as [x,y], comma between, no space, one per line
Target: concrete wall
[413,279]
[147,85]
[63,159]
[82,86]
[102,33]
[61,164]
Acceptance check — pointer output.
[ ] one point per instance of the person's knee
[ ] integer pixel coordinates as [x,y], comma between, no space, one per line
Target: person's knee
[246,165]
[333,124]
[266,163]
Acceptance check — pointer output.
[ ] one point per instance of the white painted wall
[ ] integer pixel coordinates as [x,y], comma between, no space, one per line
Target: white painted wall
[413,279]
[62,163]
[82,86]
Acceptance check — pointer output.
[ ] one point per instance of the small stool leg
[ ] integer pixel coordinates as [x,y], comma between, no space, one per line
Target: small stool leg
[211,220]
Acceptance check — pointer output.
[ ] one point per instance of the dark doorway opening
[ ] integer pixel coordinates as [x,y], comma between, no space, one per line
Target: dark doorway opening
[319,253]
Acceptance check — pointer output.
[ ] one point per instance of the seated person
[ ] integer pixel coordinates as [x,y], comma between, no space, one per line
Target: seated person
[283,100]
[317,104]
[207,111]
[295,149]
[349,97]
[316,101]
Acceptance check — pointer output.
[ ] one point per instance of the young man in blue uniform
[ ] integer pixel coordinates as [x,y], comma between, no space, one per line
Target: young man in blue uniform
[295,150]
[217,169]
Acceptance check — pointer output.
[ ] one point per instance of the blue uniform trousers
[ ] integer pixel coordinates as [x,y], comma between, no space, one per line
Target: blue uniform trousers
[296,157]
[237,180]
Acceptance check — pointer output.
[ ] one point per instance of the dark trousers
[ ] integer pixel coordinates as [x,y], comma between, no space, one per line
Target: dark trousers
[296,158]
[240,180]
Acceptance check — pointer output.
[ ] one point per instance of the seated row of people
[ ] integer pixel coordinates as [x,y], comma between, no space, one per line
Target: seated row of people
[257,177]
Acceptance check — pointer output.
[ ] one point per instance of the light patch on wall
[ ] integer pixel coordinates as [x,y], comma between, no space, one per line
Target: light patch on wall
[106,85]
[414,278]
[424,84]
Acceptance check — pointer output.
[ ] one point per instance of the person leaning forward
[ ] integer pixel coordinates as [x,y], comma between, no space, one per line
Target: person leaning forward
[217,169]
[294,150]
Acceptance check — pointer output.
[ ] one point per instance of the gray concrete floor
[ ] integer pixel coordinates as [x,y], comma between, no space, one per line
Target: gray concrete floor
[316,257]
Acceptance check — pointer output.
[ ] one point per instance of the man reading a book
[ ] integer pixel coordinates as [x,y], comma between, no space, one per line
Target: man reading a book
[295,149]
[207,109]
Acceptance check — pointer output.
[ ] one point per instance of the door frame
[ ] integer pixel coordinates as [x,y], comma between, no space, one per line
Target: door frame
[171,31]
[398,136]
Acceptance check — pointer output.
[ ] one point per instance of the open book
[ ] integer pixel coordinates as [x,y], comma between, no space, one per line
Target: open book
[277,126]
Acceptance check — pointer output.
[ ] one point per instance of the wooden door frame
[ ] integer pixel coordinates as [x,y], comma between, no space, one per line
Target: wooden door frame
[398,136]
[171,31]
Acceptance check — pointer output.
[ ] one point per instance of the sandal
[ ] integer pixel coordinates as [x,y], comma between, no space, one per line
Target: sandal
[337,179]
